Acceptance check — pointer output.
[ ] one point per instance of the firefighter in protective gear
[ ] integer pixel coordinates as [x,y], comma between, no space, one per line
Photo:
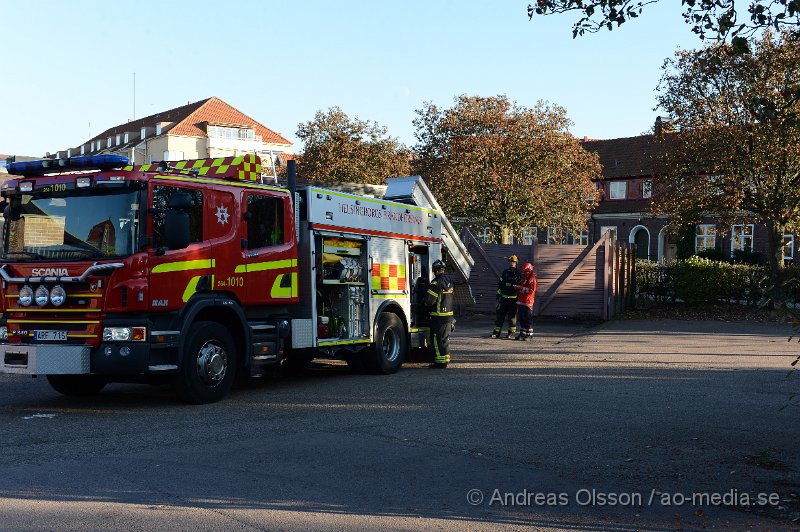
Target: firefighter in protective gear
[526,292]
[507,299]
[439,300]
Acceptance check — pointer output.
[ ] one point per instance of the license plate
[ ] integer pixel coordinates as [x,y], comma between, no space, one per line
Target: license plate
[50,336]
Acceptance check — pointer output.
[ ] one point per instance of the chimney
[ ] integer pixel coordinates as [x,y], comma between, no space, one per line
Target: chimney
[663,125]
[585,138]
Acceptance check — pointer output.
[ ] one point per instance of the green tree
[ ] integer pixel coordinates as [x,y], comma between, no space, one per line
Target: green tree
[501,164]
[708,18]
[736,148]
[339,148]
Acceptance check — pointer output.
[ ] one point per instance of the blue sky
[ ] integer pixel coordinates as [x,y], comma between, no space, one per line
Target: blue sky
[68,66]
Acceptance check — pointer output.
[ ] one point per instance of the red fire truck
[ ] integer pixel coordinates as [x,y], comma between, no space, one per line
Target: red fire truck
[192,272]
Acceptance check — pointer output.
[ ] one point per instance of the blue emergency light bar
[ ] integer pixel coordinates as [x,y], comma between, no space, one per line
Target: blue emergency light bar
[49,166]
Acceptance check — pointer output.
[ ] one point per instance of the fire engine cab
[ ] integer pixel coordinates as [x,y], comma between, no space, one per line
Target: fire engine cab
[192,272]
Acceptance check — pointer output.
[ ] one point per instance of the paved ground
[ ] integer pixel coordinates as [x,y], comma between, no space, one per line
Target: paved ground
[637,413]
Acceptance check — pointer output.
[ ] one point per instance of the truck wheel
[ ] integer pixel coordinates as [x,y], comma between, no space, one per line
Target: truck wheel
[208,364]
[386,355]
[77,385]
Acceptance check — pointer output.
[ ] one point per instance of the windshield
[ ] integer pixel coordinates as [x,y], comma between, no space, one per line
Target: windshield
[71,227]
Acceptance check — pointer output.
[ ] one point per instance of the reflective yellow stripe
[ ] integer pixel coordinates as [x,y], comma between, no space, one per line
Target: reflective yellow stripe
[263,266]
[390,296]
[191,288]
[28,309]
[53,321]
[440,313]
[321,341]
[279,291]
[183,266]
[217,181]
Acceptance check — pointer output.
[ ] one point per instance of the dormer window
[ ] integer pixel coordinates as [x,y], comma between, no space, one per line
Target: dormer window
[617,190]
[119,139]
[108,142]
[127,138]
[92,148]
[83,149]
[144,132]
[69,153]
[158,129]
[647,188]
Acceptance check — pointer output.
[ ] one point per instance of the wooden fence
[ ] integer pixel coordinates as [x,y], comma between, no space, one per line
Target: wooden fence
[595,282]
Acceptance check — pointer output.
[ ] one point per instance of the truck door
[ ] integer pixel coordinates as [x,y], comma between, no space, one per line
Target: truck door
[175,274]
[269,254]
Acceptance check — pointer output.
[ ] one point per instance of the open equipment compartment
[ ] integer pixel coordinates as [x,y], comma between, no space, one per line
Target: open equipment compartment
[341,286]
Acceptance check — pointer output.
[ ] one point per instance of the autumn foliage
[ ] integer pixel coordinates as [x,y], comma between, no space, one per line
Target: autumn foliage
[497,163]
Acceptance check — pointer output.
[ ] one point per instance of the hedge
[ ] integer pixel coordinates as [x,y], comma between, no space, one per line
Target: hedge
[700,280]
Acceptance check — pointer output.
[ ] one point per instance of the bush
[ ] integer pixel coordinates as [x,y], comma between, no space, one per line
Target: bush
[700,280]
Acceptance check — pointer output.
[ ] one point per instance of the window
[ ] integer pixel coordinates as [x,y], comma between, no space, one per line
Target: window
[617,189]
[556,235]
[486,236]
[742,238]
[265,223]
[127,138]
[119,139]
[158,129]
[529,236]
[161,195]
[108,142]
[143,132]
[647,188]
[69,153]
[83,149]
[705,237]
[92,148]
[609,229]
[788,247]
[173,156]
[583,238]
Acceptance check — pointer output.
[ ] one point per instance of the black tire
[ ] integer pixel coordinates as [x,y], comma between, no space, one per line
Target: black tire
[208,364]
[390,348]
[77,385]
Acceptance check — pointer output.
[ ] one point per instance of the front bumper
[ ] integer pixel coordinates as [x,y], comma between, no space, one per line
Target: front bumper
[41,359]
[107,359]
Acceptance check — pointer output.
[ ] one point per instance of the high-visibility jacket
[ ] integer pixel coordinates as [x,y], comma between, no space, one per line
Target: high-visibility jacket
[526,291]
[439,296]
[508,280]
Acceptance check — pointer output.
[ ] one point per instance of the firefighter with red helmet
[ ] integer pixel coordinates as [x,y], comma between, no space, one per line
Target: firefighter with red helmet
[526,292]
[439,300]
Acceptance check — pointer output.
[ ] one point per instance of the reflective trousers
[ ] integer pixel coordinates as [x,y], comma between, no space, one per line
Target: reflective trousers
[440,338]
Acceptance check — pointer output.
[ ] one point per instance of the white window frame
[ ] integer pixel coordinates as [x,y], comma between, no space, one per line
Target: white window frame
[583,238]
[609,228]
[617,190]
[108,142]
[127,137]
[647,188]
[788,244]
[119,140]
[551,239]
[529,235]
[92,148]
[485,236]
[158,129]
[707,234]
[740,236]
[143,132]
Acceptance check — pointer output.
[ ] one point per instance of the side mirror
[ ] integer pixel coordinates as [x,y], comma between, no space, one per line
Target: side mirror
[176,229]
[12,213]
[180,201]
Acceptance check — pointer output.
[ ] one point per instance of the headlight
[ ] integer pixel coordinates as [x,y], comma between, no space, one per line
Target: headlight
[124,334]
[25,296]
[41,296]
[58,295]
[3,333]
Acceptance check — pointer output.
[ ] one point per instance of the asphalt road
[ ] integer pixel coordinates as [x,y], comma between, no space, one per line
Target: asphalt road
[586,427]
